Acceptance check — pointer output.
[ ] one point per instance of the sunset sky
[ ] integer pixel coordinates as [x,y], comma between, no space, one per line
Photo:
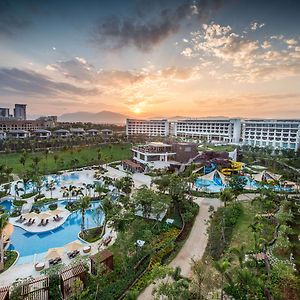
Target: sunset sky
[235,58]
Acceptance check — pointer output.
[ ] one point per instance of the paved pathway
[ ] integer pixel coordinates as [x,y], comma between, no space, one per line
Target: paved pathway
[193,248]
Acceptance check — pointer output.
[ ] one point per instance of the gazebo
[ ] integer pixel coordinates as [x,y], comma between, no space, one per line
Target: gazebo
[4,293]
[68,276]
[104,258]
[36,289]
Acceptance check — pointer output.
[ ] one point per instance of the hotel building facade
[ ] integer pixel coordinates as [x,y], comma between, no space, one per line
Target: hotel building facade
[283,134]
[136,127]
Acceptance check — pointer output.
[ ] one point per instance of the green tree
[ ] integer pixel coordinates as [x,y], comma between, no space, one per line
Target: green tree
[226,196]
[3,223]
[84,204]
[223,266]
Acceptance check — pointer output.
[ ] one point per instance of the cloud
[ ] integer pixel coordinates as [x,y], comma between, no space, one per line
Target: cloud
[238,56]
[255,25]
[82,71]
[115,32]
[10,22]
[29,83]
[77,68]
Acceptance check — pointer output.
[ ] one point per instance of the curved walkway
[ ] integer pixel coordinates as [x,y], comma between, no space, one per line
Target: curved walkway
[193,248]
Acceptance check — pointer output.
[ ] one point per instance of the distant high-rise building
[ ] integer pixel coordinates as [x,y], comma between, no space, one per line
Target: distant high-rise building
[4,112]
[20,111]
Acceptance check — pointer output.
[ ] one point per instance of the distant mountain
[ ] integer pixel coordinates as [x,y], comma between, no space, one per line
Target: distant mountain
[107,117]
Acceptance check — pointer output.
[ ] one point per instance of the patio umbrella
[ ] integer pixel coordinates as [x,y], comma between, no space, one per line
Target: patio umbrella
[54,253]
[8,231]
[55,211]
[74,246]
[31,215]
[43,216]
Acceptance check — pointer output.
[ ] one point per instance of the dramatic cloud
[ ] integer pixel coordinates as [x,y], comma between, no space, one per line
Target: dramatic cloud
[234,55]
[30,83]
[115,32]
[77,68]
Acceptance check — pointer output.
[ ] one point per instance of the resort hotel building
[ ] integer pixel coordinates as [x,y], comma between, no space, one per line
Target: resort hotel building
[283,134]
[147,127]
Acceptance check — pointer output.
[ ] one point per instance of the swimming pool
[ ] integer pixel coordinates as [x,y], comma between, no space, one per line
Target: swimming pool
[29,244]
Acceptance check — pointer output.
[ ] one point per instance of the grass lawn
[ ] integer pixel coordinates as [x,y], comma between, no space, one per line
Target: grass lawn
[85,156]
[242,232]
[11,257]
[210,147]
[92,235]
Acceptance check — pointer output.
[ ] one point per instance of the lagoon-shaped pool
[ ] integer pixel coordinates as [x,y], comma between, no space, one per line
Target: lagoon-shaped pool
[29,244]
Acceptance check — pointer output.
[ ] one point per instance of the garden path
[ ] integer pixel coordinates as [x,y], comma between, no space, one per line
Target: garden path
[194,246]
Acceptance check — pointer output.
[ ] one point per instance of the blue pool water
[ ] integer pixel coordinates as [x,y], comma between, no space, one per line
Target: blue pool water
[33,243]
[7,205]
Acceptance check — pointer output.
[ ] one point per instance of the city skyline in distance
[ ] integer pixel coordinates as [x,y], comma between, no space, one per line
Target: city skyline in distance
[176,58]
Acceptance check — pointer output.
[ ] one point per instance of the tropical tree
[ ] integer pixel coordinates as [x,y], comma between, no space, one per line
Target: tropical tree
[226,196]
[223,266]
[236,184]
[84,204]
[51,187]
[3,223]
[240,253]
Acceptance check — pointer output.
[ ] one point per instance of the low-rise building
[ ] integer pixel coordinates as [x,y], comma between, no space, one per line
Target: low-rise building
[92,132]
[154,151]
[2,135]
[77,131]
[42,133]
[62,133]
[106,132]
[19,134]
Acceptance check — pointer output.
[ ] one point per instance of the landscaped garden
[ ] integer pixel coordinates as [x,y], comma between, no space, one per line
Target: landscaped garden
[53,161]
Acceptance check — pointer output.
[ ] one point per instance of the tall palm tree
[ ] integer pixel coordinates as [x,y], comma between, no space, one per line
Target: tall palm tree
[226,196]
[239,252]
[222,266]
[84,205]
[3,223]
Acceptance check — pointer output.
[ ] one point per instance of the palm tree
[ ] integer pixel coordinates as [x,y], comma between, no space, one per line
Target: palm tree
[222,266]
[84,205]
[239,252]
[226,196]
[3,223]
[18,189]
[51,187]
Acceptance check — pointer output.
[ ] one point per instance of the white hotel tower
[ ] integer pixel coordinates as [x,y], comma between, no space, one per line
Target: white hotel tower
[283,134]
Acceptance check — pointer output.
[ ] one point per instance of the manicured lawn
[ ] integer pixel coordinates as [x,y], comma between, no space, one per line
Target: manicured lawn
[11,257]
[242,232]
[85,156]
[226,148]
[92,235]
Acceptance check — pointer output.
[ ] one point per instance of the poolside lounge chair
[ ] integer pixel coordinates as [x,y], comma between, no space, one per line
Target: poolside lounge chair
[20,219]
[73,254]
[46,223]
[31,223]
[28,222]
[41,223]
[57,261]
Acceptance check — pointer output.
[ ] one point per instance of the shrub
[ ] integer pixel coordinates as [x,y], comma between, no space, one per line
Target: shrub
[53,206]
[15,213]
[40,196]
[28,195]
[19,203]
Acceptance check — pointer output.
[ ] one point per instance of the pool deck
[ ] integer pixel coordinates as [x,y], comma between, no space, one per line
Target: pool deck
[37,229]
[26,270]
